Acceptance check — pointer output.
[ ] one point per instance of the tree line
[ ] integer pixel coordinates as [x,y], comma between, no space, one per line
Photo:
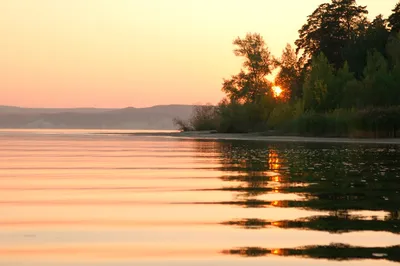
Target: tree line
[342,78]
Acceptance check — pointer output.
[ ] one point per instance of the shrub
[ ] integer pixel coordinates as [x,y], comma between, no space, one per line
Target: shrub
[280,116]
[284,114]
[244,117]
[182,125]
[204,117]
[371,122]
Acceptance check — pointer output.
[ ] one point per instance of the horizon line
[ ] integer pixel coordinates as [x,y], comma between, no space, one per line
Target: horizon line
[150,106]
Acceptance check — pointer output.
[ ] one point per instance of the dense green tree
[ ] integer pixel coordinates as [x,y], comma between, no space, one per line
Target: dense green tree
[394,19]
[329,29]
[316,85]
[251,83]
[393,50]
[288,77]
[352,92]
[378,82]
[245,117]
[374,36]
[338,87]
[355,53]
[345,82]
[377,34]
[249,94]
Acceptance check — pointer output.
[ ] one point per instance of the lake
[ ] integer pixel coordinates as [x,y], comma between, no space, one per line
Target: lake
[79,198]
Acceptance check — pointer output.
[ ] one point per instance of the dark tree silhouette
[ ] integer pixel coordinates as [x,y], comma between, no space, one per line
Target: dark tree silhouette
[251,83]
[374,36]
[394,19]
[329,29]
[342,80]
[288,77]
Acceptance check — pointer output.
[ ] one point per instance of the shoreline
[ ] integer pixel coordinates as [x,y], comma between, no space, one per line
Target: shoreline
[258,137]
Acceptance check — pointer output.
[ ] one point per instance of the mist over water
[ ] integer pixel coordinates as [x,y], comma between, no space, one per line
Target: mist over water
[78,198]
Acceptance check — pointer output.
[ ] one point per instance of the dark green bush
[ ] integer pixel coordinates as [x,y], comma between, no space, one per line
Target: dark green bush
[182,125]
[204,117]
[244,117]
[370,122]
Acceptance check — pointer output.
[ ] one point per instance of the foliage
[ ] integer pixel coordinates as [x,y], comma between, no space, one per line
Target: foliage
[288,76]
[333,124]
[315,88]
[352,92]
[393,50]
[370,122]
[394,19]
[182,125]
[204,117]
[250,98]
[251,82]
[246,117]
[234,117]
[357,69]
[284,113]
[339,87]
[377,35]
[373,37]
[342,80]
[329,29]
[377,75]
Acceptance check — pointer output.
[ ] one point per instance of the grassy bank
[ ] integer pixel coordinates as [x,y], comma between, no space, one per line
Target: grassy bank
[290,120]
[365,123]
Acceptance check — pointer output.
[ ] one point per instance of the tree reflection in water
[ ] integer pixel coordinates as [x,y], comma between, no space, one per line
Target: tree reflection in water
[331,252]
[338,179]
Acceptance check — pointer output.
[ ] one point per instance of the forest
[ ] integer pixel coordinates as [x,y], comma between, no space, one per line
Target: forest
[341,79]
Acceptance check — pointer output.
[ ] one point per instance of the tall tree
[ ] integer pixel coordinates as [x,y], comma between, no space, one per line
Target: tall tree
[378,82]
[377,35]
[394,19]
[288,77]
[329,29]
[374,36]
[393,50]
[317,84]
[339,86]
[251,83]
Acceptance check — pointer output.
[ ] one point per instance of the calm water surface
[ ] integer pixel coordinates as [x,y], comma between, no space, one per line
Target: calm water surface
[77,198]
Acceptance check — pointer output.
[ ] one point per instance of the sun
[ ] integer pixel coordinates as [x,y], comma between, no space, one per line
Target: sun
[277,91]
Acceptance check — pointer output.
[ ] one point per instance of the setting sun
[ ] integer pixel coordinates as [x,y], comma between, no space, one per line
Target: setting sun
[277,91]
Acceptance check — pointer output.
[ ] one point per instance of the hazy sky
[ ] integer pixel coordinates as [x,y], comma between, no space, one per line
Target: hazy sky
[118,53]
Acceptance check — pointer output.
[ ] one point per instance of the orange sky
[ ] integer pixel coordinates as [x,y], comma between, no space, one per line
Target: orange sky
[118,53]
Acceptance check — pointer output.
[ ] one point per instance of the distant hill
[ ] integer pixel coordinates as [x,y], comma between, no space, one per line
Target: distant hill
[156,117]
[21,110]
